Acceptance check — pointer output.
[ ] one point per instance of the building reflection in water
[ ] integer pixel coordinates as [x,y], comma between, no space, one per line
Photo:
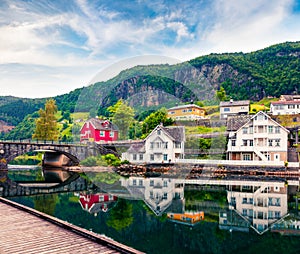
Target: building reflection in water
[97,202]
[260,205]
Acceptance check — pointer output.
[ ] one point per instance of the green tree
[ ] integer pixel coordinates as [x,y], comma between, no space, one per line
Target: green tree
[154,119]
[123,117]
[221,94]
[46,125]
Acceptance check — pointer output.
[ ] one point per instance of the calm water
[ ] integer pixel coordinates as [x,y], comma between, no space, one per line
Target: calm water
[228,214]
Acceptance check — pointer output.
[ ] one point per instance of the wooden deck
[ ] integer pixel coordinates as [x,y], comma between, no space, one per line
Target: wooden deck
[25,230]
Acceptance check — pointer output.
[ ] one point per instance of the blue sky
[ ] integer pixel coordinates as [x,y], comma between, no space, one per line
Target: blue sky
[52,47]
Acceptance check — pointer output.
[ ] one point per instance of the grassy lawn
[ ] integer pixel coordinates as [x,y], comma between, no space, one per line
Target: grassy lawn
[203,129]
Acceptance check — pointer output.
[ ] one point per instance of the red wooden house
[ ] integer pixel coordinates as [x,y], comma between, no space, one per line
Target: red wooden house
[94,203]
[96,130]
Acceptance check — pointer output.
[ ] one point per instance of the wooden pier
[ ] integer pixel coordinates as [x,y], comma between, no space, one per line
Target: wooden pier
[25,230]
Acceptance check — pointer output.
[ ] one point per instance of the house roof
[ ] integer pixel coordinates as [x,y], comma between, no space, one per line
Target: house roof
[185,106]
[100,124]
[236,122]
[234,103]
[261,112]
[286,97]
[137,147]
[176,132]
[289,102]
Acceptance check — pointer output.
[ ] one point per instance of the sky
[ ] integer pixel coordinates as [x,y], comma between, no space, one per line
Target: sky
[51,47]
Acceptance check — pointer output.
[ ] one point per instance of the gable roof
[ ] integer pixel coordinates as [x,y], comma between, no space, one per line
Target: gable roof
[137,147]
[285,97]
[235,122]
[176,133]
[234,103]
[100,124]
[272,120]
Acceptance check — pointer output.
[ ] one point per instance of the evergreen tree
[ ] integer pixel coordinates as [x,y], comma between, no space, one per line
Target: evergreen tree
[46,125]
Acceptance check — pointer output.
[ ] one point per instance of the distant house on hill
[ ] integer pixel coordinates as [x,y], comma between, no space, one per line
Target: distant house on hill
[230,108]
[186,112]
[162,145]
[287,105]
[98,130]
[260,139]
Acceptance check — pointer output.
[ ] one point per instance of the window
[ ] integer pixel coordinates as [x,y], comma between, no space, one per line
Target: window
[233,142]
[158,132]
[245,130]
[277,129]
[151,157]
[177,145]
[226,109]
[277,214]
[277,142]
[165,183]
[151,194]
[134,157]
[165,195]
[244,212]
[111,134]
[250,142]
[102,134]
[244,200]
[244,142]
[166,145]
[151,182]
[247,157]
[165,157]
[270,129]
[134,182]
[140,182]
[141,157]
[251,129]
[151,145]
[270,141]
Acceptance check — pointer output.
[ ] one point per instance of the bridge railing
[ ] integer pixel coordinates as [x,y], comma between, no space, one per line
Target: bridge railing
[47,142]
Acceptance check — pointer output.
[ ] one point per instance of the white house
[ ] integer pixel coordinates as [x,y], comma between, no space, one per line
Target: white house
[158,193]
[287,105]
[231,108]
[162,145]
[261,206]
[260,139]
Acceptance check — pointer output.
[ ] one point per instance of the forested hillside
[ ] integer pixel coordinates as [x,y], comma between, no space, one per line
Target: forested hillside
[268,72]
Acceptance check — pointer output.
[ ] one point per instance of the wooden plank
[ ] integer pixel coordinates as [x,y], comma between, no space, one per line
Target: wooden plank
[24,230]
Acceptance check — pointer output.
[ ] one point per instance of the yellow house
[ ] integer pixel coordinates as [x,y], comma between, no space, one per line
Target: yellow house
[186,112]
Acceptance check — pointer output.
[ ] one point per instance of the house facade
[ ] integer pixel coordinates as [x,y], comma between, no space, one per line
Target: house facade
[259,139]
[158,193]
[162,145]
[97,130]
[287,105]
[98,202]
[186,112]
[231,108]
[261,206]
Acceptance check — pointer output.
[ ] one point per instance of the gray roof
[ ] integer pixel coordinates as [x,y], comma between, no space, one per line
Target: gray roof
[290,97]
[137,147]
[176,132]
[100,124]
[234,103]
[236,122]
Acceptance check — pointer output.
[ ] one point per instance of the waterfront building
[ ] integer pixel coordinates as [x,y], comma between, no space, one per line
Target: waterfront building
[231,108]
[287,105]
[259,139]
[97,130]
[162,145]
[98,202]
[186,112]
[158,193]
[261,206]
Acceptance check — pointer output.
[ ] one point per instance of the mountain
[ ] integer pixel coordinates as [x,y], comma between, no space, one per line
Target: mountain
[268,72]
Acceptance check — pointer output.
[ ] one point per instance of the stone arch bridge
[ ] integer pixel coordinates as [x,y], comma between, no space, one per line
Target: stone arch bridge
[74,151]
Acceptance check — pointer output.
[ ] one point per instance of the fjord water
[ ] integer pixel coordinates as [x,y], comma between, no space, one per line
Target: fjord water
[248,215]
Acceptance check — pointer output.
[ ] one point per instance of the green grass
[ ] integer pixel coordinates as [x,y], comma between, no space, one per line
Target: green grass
[80,115]
[203,129]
